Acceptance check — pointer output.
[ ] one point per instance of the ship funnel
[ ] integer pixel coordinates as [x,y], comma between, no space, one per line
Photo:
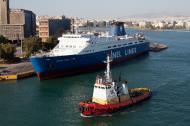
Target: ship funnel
[117,29]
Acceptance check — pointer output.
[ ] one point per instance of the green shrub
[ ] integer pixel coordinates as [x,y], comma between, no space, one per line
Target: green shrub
[31,45]
[7,51]
[3,40]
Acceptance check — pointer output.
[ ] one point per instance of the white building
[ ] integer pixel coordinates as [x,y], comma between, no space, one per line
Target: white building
[145,24]
[142,24]
[160,24]
[180,24]
[187,25]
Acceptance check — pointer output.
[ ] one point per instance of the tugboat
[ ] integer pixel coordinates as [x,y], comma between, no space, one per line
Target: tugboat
[110,96]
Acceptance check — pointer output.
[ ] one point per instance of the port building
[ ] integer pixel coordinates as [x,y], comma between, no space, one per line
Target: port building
[16,24]
[53,26]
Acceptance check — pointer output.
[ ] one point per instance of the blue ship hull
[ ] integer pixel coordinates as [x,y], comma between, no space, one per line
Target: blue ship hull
[52,67]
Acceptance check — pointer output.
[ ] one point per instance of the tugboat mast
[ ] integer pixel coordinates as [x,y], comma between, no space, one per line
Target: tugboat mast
[108,72]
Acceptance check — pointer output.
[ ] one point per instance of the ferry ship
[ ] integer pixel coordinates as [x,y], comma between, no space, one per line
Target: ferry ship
[79,53]
[111,96]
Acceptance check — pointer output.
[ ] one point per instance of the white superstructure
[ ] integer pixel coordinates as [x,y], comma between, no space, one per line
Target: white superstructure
[83,44]
[106,91]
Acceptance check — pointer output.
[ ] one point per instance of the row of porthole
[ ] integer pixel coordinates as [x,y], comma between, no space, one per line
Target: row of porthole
[119,45]
[89,51]
[102,87]
[71,37]
[67,46]
[70,46]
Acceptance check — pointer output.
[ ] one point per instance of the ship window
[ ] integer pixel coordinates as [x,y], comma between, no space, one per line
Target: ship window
[114,46]
[130,43]
[109,46]
[108,87]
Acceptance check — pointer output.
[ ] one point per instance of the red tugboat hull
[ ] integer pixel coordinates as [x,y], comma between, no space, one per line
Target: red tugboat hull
[88,108]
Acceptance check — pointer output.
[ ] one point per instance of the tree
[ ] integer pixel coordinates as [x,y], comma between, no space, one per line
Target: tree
[31,45]
[7,51]
[50,43]
[3,39]
[60,32]
[1,51]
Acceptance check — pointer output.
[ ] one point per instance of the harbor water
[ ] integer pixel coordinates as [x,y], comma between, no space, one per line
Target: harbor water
[31,102]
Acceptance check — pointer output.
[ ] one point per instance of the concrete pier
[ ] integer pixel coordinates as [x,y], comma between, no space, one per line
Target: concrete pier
[16,71]
[156,47]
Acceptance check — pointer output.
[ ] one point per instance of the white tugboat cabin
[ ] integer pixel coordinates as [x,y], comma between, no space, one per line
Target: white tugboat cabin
[106,91]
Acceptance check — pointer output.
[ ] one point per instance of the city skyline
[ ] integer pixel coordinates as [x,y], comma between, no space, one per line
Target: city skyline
[106,9]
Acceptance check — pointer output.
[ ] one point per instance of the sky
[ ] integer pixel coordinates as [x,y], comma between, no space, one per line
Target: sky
[104,8]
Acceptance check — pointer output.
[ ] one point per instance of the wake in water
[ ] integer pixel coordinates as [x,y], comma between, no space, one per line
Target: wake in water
[105,115]
[86,116]
[126,112]
[121,112]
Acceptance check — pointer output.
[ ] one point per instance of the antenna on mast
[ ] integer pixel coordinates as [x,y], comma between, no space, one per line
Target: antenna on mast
[108,71]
